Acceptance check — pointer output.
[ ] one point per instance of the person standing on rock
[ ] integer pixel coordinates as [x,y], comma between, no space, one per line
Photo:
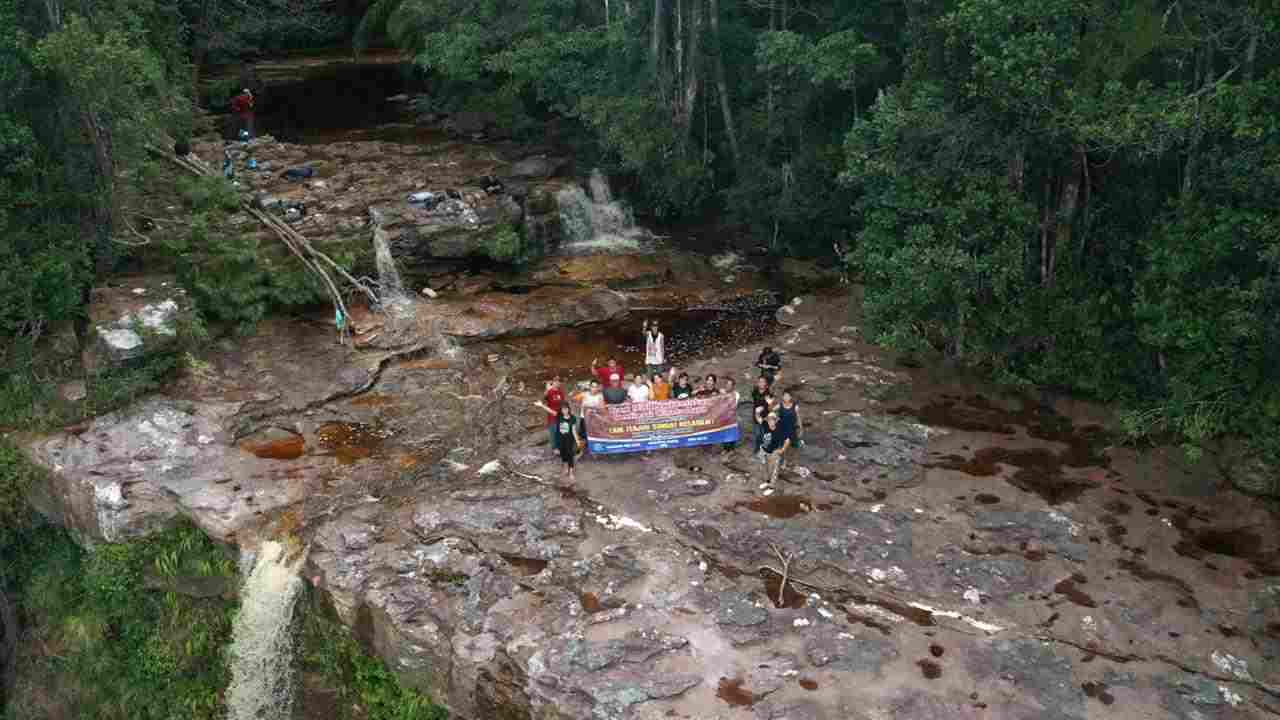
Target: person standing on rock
[551,402]
[567,440]
[730,387]
[772,451]
[683,389]
[639,391]
[609,374]
[659,388]
[592,398]
[615,394]
[242,106]
[655,348]
[762,404]
[770,364]
[789,418]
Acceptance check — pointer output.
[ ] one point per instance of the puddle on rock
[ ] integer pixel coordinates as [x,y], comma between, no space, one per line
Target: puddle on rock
[986,499]
[350,441]
[936,650]
[1039,470]
[790,597]
[808,684]
[1069,587]
[289,448]
[929,669]
[777,506]
[524,565]
[731,691]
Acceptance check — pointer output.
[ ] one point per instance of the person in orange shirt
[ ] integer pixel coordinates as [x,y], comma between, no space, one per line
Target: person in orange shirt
[659,389]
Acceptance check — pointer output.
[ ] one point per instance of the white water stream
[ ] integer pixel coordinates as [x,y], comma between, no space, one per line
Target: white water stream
[596,223]
[262,685]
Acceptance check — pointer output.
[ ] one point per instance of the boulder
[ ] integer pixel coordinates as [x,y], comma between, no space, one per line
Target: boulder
[136,331]
[1250,472]
[470,122]
[537,166]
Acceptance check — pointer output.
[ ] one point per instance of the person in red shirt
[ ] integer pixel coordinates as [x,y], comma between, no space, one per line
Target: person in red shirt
[551,402]
[242,105]
[609,373]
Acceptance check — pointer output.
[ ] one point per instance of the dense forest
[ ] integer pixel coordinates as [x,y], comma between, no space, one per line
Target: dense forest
[1077,195]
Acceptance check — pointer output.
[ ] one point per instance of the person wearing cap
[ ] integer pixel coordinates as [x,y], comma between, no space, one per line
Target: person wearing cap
[242,106]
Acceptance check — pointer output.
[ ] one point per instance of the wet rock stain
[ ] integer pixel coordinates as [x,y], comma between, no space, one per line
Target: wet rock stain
[350,441]
[808,684]
[1069,587]
[936,650]
[525,566]
[1098,691]
[1140,570]
[290,448]
[790,598]
[777,506]
[929,669]
[732,692]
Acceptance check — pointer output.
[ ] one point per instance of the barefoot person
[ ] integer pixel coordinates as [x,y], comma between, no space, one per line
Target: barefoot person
[551,402]
[566,427]
[639,390]
[655,348]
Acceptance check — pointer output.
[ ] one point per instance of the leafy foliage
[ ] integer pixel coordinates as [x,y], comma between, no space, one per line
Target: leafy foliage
[327,648]
[105,646]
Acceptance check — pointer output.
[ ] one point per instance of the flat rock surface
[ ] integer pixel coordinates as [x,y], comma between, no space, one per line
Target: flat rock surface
[950,552]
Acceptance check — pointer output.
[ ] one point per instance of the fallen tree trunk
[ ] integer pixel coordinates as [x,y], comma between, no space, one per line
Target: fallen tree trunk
[312,259]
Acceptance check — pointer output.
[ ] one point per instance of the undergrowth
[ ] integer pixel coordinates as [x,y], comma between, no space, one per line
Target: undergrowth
[97,644]
[363,684]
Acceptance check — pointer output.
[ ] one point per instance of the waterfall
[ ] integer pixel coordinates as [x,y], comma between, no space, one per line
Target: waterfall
[262,639]
[396,303]
[596,223]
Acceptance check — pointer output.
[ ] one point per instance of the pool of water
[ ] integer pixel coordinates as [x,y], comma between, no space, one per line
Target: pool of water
[690,335]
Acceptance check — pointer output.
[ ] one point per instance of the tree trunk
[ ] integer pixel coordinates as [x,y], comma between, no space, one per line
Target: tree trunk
[655,41]
[1018,169]
[1251,50]
[1045,222]
[692,79]
[722,88]
[8,644]
[768,81]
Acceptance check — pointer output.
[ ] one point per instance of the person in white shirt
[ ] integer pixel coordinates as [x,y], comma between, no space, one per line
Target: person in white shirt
[655,348]
[638,391]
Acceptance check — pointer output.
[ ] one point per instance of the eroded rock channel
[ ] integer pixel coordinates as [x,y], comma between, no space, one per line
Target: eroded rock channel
[948,552]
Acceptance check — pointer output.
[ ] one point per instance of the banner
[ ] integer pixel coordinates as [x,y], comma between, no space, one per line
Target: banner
[657,425]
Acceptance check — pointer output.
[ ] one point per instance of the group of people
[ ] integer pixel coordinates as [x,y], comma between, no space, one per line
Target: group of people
[776,418]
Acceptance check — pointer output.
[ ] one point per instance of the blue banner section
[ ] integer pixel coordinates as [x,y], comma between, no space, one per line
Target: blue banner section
[608,447]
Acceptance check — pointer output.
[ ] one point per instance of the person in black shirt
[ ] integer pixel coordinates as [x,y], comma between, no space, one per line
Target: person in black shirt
[789,418]
[770,364]
[776,443]
[708,387]
[615,394]
[760,397]
[682,390]
[567,437]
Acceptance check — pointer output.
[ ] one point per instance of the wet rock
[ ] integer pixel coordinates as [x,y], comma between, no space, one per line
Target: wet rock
[137,332]
[740,609]
[847,653]
[518,523]
[1036,670]
[1052,530]
[136,471]
[882,446]
[791,710]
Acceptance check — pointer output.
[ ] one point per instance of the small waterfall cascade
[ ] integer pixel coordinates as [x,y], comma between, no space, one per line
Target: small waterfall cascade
[397,303]
[262,683]
[595,223]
